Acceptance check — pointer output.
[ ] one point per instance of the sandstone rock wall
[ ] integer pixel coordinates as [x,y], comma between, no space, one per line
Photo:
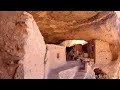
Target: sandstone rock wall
[22,47]
[58,26]
[35,49]
[23,50]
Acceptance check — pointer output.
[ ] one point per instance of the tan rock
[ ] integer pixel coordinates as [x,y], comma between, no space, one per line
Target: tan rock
[20,39]
[77,25]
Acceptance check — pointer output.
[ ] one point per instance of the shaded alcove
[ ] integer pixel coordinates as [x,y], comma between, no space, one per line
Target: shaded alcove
[74,48]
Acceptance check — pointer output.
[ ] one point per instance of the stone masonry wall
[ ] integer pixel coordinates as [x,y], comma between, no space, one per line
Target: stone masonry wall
[103,53]
[56,56]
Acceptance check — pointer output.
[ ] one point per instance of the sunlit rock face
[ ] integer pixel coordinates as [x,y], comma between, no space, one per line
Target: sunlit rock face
[57,26]
[22,47]
[69,43]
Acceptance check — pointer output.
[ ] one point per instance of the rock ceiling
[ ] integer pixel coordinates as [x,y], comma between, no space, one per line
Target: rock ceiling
[58,26]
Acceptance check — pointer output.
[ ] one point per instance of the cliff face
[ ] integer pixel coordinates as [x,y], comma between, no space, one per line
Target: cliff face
[57,26]
[22,47]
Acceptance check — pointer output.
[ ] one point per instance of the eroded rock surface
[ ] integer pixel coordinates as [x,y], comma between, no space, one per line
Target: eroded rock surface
[57,26]
[22,47]
[20,43]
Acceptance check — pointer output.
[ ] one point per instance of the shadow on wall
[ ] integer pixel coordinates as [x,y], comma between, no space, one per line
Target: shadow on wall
[114,50]
[99,74]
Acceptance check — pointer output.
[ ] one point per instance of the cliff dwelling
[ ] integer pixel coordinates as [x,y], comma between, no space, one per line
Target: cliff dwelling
[59,44]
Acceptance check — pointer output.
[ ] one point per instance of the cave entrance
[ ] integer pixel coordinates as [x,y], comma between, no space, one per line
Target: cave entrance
[82,52]
[75,48]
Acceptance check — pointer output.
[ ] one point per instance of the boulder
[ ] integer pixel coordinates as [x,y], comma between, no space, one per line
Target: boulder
[22,46]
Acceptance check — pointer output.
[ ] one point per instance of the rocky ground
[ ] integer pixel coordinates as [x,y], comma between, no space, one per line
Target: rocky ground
[70,70]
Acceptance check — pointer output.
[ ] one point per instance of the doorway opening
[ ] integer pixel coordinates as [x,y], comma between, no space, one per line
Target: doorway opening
[74,48]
